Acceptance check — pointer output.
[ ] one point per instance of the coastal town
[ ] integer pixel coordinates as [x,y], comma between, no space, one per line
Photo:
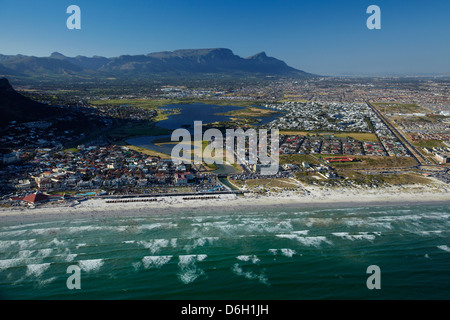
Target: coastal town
[321,142]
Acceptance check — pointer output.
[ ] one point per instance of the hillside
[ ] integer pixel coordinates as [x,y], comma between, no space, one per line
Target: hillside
[16,107]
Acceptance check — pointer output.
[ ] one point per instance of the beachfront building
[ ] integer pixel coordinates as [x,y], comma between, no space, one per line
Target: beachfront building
[34,198]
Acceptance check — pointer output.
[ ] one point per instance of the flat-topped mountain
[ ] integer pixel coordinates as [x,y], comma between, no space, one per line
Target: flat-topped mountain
[186,62]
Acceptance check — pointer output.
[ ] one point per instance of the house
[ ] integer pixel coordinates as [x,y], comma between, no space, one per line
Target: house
[180,178]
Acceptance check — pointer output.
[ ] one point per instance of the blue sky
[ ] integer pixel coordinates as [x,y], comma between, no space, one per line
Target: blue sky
[318,36]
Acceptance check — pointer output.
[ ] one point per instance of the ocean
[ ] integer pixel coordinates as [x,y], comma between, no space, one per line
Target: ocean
[281,253]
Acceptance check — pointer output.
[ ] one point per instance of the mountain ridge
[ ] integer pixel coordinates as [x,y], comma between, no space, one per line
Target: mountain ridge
[177,62]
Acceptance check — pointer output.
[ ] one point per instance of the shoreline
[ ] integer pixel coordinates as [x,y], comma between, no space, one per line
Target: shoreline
[318,198]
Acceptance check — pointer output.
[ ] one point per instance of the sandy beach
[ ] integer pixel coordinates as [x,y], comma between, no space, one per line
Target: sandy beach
[317,197]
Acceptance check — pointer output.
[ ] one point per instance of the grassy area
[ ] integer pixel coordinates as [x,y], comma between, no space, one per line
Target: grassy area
[366,162]
[297,159]
[237,167]
[73,150]
[308,177]
[156,103]
[381,179]
[393,107]
[165,141]
[210,167]
[250,112]
[429,143]
[266,183]
[148,152]
[141,103]
[360,136]
[152,104]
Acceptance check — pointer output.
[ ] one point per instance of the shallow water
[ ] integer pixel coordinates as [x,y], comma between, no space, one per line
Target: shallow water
[282,253]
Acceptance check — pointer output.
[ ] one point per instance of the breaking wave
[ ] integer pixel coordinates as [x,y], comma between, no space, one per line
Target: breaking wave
[155,261]
[37,270]
[91,265]
[189,272]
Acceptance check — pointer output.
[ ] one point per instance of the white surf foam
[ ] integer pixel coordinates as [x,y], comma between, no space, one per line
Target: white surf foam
[301,232]
[429,233]
[189,271]
[80,245]
[288,252]
[318,222]
[237,269]
[254,259]
[25,254]
[70,257]
[58,243]
[44,253]
[20,244]
[190,275]
[37,269]
[285,252]
[352,237]
[444,247]
[155,261]
[200,242]
[307,241]
[166,225]
[201,257]
[91,265]
[14,233]
[154,245]
[191,258]
[9,263]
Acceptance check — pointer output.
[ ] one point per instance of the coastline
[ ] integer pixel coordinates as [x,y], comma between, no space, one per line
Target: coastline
[317,198]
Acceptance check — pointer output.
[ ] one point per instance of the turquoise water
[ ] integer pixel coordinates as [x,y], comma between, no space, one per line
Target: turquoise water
[87,194]
[273,253]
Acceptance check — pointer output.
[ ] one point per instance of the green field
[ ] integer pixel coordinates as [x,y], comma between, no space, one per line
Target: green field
[297,159]
[156,103]
[268,184]
[250,112]
[392,179]
[360,136]
[429,143]
[393,107]
[369,162]
[148,152]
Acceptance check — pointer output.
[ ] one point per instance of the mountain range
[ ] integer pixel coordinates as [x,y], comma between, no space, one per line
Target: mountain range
[188,62]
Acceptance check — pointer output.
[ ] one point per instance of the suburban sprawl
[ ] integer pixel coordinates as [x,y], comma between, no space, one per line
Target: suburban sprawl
[333,133]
